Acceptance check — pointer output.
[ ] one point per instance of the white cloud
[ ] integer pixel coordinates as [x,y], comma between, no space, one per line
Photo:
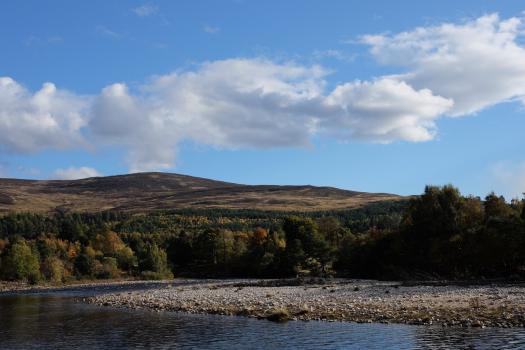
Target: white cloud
[384,110]
[210,29]
[477,64]
[258,103]
[509,178]
[231,103]
[234,103]
[73,173]
[145,10]
[135,122]
[48,118]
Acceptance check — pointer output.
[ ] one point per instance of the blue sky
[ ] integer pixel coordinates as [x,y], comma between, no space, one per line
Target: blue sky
[378,96]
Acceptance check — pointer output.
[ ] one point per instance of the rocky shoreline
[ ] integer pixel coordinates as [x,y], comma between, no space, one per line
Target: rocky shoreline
[24,287]
[336,300]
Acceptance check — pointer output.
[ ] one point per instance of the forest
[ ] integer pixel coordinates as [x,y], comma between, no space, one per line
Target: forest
[440,234]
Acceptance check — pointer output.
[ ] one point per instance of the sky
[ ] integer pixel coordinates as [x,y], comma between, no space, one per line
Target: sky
[377,96]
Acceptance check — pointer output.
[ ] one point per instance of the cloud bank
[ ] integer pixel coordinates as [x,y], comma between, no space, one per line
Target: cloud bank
[448,70]
[477,64]
[254,103]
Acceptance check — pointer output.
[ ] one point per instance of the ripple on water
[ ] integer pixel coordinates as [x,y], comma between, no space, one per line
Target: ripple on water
[58,322]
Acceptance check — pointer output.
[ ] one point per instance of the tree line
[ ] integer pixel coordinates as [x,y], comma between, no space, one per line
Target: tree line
[444,234]
[440,234]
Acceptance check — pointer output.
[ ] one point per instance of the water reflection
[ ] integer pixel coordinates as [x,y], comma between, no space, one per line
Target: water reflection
[58,322]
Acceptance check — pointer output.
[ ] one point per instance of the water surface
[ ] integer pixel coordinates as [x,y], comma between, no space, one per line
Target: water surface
[56,320]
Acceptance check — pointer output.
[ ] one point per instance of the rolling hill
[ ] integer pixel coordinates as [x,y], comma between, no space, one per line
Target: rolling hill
[144,192]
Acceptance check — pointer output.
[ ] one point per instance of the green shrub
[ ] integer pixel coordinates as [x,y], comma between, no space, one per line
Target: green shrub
[21,263]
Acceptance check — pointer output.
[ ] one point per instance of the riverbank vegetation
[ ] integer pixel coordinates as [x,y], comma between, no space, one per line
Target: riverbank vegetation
[440,234]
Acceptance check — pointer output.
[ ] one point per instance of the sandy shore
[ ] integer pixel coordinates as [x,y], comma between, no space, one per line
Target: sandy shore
[338,300]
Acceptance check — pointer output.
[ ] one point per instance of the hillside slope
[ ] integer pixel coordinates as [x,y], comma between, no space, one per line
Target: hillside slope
[145,192]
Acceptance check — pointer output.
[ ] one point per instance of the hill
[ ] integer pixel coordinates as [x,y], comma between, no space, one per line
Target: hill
[145,192]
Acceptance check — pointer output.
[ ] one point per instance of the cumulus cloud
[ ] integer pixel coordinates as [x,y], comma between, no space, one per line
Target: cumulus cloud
[123,119]
[477,64]
[231,103]
[451,70]
[73,173]
[257,104]
[48,118]
[384,110]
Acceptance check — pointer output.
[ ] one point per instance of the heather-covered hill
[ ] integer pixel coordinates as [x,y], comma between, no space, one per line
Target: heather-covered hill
[144,192]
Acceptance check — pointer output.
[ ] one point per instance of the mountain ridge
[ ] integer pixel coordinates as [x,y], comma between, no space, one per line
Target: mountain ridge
[145,192]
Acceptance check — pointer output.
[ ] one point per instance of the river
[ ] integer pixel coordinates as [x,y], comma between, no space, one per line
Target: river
[57,320]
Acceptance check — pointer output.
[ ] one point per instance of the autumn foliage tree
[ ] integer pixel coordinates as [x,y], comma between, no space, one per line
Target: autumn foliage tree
[21,262]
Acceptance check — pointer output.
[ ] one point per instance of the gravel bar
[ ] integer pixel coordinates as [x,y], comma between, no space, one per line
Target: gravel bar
[336,300]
